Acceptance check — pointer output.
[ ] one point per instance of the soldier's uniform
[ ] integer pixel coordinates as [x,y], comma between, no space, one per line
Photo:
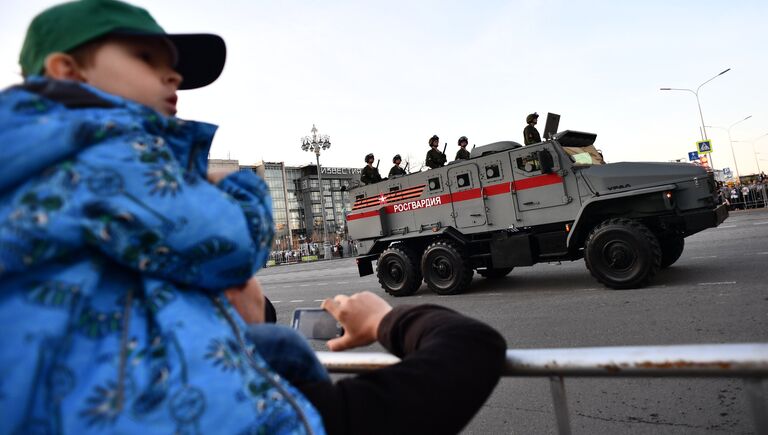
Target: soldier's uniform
[435,158]
[530,134]
[370,175]
[462,154]
[396,170]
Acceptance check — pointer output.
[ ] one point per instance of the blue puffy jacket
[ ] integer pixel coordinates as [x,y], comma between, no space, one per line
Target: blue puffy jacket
[114,250]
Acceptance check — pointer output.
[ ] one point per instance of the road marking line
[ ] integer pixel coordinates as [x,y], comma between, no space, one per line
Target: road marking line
[275,302]
[760,223]
[762,253]
[717,283]
[318,300]
[727,226]
[491,294]
[298,300]
[705,256]
[322,283]
[304,285]
[343,282]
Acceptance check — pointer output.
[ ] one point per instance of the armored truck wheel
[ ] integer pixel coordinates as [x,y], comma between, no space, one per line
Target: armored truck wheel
[671,249]
[398,272]
[494,272]
[622,253]
[445,268]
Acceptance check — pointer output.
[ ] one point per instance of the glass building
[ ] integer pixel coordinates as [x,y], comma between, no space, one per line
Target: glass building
[296,201]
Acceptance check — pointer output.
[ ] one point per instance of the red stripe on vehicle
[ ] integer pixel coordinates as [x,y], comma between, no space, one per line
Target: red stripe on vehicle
[365,214]
[538,181]
[495,189]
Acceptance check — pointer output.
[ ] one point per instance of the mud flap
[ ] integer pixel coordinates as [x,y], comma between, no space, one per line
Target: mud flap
[365,264]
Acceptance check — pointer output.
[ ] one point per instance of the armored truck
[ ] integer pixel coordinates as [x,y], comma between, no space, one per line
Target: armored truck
[511,205]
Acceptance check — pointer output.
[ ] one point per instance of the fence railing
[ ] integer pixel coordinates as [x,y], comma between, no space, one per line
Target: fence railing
[748,361]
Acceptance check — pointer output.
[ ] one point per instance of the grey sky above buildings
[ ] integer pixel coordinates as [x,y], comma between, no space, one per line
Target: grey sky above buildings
[383,77]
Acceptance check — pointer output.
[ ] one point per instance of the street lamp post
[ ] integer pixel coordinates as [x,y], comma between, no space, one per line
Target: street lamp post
[315,143]
[698,103]
[730,142]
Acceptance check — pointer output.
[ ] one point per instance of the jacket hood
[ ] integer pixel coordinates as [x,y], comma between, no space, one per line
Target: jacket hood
[55,119]
[633,175]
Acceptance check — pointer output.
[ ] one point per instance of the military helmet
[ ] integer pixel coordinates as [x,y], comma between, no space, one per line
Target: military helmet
[368,156]
[434,138]
[463,139]
[531,117]
[396,158]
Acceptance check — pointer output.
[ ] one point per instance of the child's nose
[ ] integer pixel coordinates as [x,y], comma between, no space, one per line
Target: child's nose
[173,77]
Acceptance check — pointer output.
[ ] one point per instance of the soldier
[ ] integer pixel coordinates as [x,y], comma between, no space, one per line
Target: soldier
[435,158]
[396,169]
[530,134]
[369,174]
[462,153]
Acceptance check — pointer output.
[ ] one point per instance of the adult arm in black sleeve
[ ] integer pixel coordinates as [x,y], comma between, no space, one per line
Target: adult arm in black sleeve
[450,365]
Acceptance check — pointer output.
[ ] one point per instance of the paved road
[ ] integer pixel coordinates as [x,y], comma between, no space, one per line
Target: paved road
[716,293]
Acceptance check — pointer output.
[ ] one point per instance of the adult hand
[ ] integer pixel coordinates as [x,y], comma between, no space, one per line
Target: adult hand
[360,315]
[216,175]
[248,300]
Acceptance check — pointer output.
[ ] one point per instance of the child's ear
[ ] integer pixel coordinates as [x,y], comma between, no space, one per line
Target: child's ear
[61,66]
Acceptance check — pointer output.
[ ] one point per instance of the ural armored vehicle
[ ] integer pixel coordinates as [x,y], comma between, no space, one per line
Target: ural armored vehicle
[511,205]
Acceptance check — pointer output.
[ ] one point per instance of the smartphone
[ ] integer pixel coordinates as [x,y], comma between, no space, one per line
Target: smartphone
[316,324]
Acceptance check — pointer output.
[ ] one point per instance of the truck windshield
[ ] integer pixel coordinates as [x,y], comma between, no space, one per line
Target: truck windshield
[588,155]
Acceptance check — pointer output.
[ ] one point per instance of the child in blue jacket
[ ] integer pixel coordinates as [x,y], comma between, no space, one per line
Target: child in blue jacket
[127,297]
[115,250]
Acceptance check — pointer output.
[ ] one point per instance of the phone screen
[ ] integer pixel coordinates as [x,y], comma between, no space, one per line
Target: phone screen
[316,324]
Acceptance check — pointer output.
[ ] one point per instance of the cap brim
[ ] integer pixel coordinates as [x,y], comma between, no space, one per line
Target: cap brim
[201,58]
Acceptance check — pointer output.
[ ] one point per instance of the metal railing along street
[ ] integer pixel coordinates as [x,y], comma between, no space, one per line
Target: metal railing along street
[748,361]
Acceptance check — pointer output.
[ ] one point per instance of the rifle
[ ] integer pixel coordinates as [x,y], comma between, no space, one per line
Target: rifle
[446,146]
[406,167]
[377,164]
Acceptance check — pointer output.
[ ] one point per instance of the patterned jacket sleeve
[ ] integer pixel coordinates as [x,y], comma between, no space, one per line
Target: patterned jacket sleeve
[131,199]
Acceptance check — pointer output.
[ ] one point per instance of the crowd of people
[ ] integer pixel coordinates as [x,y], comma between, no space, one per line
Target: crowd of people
[313,251]
[741,196]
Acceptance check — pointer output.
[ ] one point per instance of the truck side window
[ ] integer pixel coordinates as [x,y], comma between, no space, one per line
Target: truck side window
[462,180]
[434,183]
[529,163]
[359,197]
[492,171]
[394,188]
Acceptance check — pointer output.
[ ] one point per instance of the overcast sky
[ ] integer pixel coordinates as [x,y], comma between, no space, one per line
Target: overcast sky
[384,76]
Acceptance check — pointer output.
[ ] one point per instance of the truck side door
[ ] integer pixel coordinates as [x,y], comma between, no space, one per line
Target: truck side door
[533,188]
[466,196]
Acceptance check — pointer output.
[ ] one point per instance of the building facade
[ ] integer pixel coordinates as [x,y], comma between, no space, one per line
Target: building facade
[296,200]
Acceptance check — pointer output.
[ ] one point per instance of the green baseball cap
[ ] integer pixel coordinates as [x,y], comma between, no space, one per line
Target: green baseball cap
[62,28]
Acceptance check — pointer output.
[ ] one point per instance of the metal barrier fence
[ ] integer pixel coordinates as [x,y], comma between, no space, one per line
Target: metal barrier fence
[755,196]
[748,361]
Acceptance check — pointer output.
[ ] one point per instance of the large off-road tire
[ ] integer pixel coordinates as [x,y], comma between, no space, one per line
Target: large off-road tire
[494,272]
[671,249]
[398,272]
[622,253]
[445,268]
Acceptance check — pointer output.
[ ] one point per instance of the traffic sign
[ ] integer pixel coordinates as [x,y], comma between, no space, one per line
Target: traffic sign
[727,172]
[704,146]
[693,155]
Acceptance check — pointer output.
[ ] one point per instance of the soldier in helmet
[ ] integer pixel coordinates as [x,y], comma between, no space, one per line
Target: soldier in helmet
[530,134]
[462,153]
[396,169]
[435,157]
[370,174]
